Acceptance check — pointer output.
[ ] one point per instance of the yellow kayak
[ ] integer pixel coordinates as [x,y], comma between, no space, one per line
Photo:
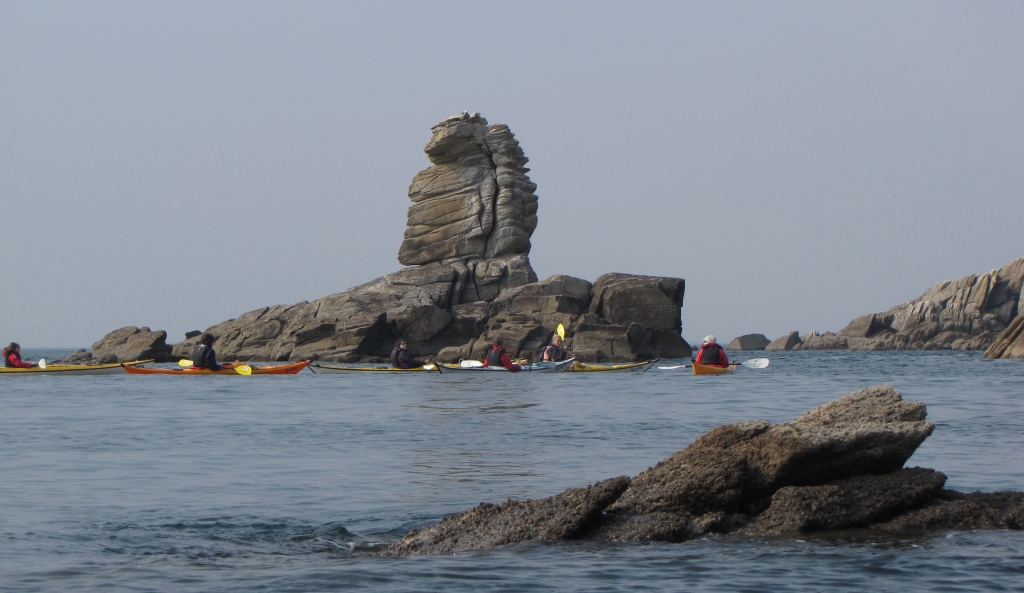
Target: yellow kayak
[75,369]
[703,369]
[581,367]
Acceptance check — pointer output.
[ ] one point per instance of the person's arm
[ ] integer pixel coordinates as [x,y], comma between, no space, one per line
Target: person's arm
[699,359]
[211,360]
[16,360]
[506,361]
[546,354]
[725,357]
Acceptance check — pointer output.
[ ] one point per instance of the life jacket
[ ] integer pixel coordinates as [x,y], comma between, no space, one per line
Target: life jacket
[553,353]
[7,359]
[199,356]
[494,357]
[394,357]
[710,354]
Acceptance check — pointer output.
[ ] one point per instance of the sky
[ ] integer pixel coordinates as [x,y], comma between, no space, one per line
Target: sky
[176,164]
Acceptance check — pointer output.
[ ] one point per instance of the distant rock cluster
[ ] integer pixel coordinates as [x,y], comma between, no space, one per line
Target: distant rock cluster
[470,282]
[839,466]
[964,314]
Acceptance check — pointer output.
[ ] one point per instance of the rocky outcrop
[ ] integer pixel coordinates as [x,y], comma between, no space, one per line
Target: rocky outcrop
[963,314]
[1010,343]
[790,341]
[467,240]
[476,201]
[124,345]
[563,516]
[749,342]
[839,466]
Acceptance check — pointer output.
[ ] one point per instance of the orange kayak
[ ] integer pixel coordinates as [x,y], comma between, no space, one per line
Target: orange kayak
[703,369]
[281,369]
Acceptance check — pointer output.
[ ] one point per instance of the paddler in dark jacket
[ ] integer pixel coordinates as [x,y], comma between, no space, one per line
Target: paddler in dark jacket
[204,357]
[401,359]
[711,354]
[12,357]
[498,357]
[554,352]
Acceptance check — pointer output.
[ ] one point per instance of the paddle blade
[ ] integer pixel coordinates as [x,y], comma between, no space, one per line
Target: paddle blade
[185,363]
[243,369]
[428,367]
[681,366]
[560,331]
[756,363]
[42,363]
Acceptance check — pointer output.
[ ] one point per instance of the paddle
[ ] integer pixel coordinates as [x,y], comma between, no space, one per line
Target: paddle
[185,363]
[754,363]
[42,363]
[560,330]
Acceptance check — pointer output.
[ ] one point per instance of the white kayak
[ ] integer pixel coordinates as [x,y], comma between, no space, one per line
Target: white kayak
[326,368]
[474,366]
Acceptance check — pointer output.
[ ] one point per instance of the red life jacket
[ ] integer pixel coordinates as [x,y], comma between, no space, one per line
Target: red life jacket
[710,354]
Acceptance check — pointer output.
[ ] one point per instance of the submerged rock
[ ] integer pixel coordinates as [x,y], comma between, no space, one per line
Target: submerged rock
[839,466]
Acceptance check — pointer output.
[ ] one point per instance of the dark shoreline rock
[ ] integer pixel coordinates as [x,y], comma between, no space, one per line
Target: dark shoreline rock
[839,466]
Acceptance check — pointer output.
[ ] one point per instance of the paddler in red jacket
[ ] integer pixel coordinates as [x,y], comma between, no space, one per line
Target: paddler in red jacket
[711,354]
[12,357]
[498,357]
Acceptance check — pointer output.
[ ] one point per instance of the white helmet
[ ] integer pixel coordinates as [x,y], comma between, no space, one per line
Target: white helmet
[710,340]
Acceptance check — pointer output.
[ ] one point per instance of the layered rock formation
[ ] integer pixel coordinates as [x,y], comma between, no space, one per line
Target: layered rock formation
[468,242]
[1010,343]
[476,201]
[963,314]
[839,466]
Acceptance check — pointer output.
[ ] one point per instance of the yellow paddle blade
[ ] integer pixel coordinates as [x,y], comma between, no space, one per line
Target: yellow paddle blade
[243,370]
[185,363]
[560,331]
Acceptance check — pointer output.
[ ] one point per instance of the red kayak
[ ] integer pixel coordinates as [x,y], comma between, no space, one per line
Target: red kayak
[281,369]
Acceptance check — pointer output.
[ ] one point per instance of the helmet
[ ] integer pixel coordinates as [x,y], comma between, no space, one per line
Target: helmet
[710,340]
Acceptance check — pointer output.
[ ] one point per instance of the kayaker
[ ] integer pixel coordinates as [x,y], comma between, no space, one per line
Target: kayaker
[401,359]
[554,352]
[498,357]
[711,354]
[204,357]
[12,357]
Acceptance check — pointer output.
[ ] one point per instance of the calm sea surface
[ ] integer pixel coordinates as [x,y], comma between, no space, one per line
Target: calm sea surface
[128,483]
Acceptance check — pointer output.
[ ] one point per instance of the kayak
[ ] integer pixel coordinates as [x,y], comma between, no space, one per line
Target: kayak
[474,366]
[580,367]
[703,369]
[281,369]
[323,368]
[76,369]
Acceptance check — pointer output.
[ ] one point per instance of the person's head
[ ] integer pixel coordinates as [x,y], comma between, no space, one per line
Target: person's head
[12,347]
[206,340]
[400,344]
[497,344]
[556,340]
[710,340]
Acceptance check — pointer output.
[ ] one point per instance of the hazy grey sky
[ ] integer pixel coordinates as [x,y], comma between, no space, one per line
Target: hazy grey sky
[176,164]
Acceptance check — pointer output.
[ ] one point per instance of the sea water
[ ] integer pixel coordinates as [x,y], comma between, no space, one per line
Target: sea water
[263,483]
